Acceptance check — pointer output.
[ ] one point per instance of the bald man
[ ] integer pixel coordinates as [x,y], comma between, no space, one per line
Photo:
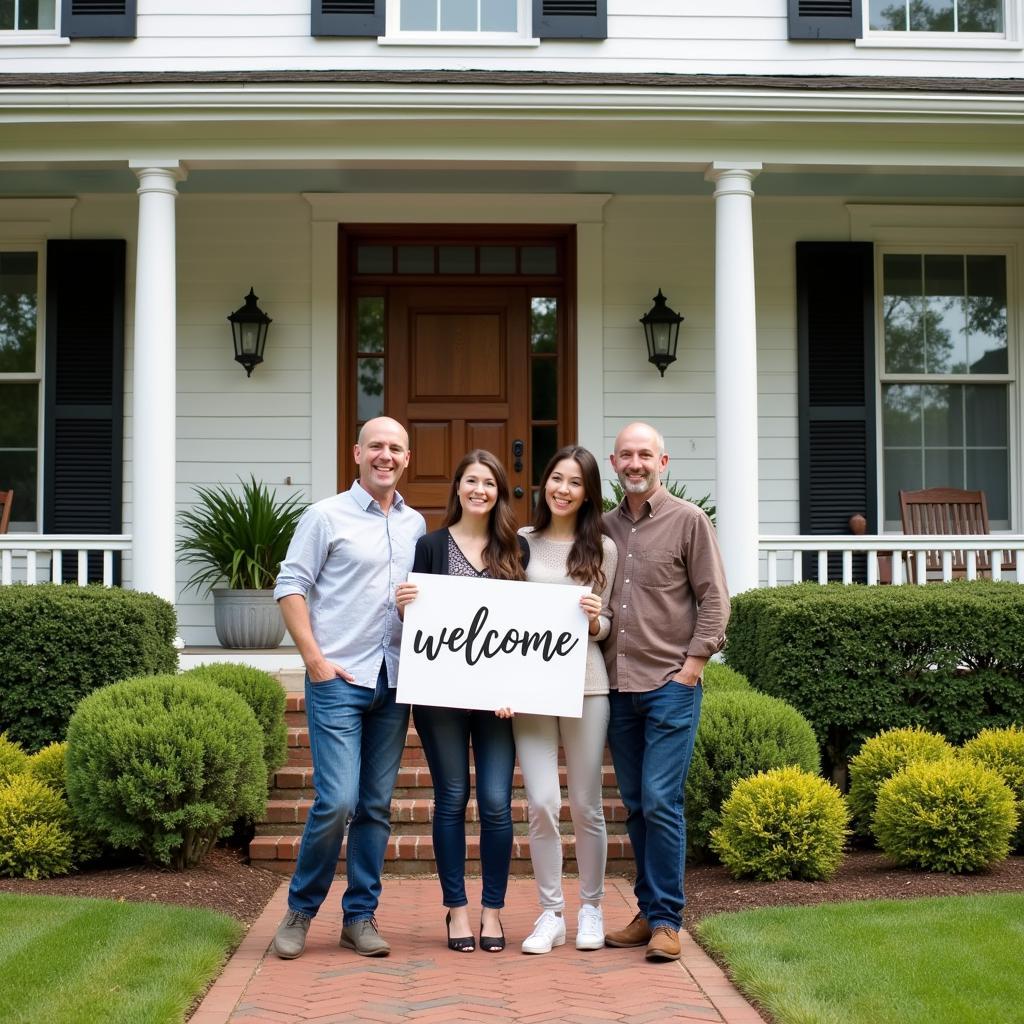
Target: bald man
[336,591]
[671,607]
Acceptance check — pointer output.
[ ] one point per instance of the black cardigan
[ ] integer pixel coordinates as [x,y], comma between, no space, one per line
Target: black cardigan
[432,552]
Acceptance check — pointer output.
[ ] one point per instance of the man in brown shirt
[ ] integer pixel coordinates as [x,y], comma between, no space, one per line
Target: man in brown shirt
[671,606]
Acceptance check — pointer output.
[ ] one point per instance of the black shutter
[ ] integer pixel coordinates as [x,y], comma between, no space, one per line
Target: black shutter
[825,19]
[98,19]
[570,19]
[835,330]
[84,391]
[347,17]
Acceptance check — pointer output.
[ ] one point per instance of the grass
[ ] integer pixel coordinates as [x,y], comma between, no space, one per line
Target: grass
[953,960]
[84,961]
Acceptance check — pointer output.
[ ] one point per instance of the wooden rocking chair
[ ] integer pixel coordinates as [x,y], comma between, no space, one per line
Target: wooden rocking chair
[6,500]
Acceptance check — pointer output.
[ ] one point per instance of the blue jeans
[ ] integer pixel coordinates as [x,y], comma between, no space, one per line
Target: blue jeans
[356,736]
[446,734]
[651,738]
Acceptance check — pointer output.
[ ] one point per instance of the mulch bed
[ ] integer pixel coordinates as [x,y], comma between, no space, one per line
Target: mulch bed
[225,882]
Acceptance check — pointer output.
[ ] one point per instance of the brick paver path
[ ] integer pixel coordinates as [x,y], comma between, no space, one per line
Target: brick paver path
[421,981]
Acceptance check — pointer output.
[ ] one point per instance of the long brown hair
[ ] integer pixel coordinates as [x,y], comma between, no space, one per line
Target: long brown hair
[503,557]
[584,561]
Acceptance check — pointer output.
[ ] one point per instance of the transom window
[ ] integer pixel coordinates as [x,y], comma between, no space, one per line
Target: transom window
[945,389]
[961,16]
[27,15]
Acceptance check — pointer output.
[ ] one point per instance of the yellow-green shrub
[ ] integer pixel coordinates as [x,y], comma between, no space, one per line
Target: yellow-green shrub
[47,765]
[880,758]
[783,823]
[952,815]
[35,830]
[1002,750]
[12,758]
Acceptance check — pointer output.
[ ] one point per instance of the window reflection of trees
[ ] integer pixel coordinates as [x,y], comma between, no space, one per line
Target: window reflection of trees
[937,16]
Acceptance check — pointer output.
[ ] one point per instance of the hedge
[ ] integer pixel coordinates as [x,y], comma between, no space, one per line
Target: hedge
[856,660]
[60,643]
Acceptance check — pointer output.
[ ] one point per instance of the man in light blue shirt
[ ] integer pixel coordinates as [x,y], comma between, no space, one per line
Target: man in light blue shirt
[336,591]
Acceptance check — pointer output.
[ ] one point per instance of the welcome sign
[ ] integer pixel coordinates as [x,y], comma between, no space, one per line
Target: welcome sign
[488,644]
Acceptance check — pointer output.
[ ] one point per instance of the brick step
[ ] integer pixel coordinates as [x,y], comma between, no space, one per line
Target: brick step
[414,855]
[414,816]
[299,753]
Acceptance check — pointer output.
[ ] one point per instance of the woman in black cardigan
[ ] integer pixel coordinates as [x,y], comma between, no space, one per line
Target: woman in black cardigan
[478,539]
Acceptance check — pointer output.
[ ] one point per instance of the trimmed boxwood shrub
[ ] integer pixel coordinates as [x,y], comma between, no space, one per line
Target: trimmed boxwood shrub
[740,732]
[264,694]
[882,757]
[953,815]
[13,758]
[163,766]
[47,766]
[62,642]
[35,830]
[855,660]
[1002,750]
[720,677]
[784,823]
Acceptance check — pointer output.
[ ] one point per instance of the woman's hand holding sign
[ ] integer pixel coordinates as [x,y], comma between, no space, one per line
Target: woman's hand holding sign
[591,605]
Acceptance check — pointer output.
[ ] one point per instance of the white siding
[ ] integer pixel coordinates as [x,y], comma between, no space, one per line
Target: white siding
[729,37]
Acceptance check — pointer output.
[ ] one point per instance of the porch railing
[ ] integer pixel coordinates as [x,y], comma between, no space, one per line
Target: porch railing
[19,556]
[1004,547]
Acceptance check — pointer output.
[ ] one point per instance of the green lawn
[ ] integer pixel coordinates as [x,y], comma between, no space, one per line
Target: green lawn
[955,960]
[79,961]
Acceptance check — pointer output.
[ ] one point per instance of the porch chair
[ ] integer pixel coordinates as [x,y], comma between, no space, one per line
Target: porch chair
[6,500]
[946,510]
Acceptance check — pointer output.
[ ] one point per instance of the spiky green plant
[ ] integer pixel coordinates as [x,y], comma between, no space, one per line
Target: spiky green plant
[237,538]
[674,488]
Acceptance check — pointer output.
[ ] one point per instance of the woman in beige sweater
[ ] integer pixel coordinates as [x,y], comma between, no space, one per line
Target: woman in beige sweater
[567,547]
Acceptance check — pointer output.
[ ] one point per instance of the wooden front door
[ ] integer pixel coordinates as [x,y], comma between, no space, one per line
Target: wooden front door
[457,377]
[465,336]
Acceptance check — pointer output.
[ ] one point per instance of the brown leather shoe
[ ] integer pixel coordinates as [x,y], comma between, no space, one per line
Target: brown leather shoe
[664,944]
[636,933]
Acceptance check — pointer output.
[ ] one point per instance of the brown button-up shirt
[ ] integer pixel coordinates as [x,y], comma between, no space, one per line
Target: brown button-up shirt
[669,598]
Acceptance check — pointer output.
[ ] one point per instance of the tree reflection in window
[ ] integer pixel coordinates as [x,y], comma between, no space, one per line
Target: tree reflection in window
[936,16]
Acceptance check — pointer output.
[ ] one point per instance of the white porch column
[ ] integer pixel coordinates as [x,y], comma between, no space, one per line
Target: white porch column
[153,381]
[735,373]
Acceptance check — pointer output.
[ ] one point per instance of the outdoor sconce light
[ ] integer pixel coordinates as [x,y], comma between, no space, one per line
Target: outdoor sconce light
[661,328]
[249,331]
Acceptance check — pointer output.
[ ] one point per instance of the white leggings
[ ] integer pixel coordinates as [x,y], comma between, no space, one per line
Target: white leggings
[583,739]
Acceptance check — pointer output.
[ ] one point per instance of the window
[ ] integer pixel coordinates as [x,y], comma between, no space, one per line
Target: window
[20,379]
[959,16]
[28,15]
[946,377]
[475,21]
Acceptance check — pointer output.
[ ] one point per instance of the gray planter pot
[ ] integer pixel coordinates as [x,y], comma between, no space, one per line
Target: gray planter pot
[247,618]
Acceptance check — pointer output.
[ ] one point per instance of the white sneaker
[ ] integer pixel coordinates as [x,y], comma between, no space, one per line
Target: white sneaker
[590,928]
[548,931]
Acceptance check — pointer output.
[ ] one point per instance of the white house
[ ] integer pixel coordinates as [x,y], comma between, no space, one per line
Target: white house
[458,210]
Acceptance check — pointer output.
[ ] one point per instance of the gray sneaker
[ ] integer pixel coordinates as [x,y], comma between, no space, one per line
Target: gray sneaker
[290,938]
[363,937]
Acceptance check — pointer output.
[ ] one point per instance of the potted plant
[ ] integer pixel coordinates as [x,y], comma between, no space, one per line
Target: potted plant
[240,539]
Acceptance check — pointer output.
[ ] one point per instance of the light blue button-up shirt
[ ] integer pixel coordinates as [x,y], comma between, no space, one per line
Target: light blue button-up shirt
[346,559]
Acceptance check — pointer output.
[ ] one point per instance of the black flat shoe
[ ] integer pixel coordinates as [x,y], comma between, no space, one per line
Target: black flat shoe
[462,943]
[492,943]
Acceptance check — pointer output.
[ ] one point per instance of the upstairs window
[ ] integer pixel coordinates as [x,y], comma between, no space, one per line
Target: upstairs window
[978,17]
[28,15]
[459,15]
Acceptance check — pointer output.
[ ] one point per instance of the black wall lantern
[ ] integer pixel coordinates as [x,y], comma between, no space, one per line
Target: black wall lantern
[661,328]
[249,331]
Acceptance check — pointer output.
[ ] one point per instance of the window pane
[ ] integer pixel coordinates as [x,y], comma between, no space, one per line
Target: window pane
[988,471]
[415,259]
[980,15]
[901,415]
[497,259]
[544,324]
[456,259]
[986,314]
[498,15]
[18,301]
[943,467]
[35,14]
[945,324]
[419,15]
[370,324]
[539,259]
[902,473]
[545,444]
[370,395]
[544,396]
[458,16]
[902,314]
[931,16]
[374,259]
[942,411]
[986,415]
[6,15]
[887,16]
[19,424]
[19,473]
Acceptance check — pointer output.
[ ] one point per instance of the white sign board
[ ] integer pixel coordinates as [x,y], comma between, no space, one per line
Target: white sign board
[488,644]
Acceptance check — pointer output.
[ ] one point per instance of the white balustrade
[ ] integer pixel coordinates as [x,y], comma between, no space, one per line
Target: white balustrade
[20,553]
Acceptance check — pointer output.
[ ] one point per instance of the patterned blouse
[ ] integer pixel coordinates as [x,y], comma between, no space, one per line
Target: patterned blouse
[459,564]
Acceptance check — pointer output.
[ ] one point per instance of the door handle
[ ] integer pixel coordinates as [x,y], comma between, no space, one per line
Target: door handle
[518,492]
[517,453]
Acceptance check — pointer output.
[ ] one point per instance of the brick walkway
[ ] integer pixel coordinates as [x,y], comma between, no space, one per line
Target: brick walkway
[423,982]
